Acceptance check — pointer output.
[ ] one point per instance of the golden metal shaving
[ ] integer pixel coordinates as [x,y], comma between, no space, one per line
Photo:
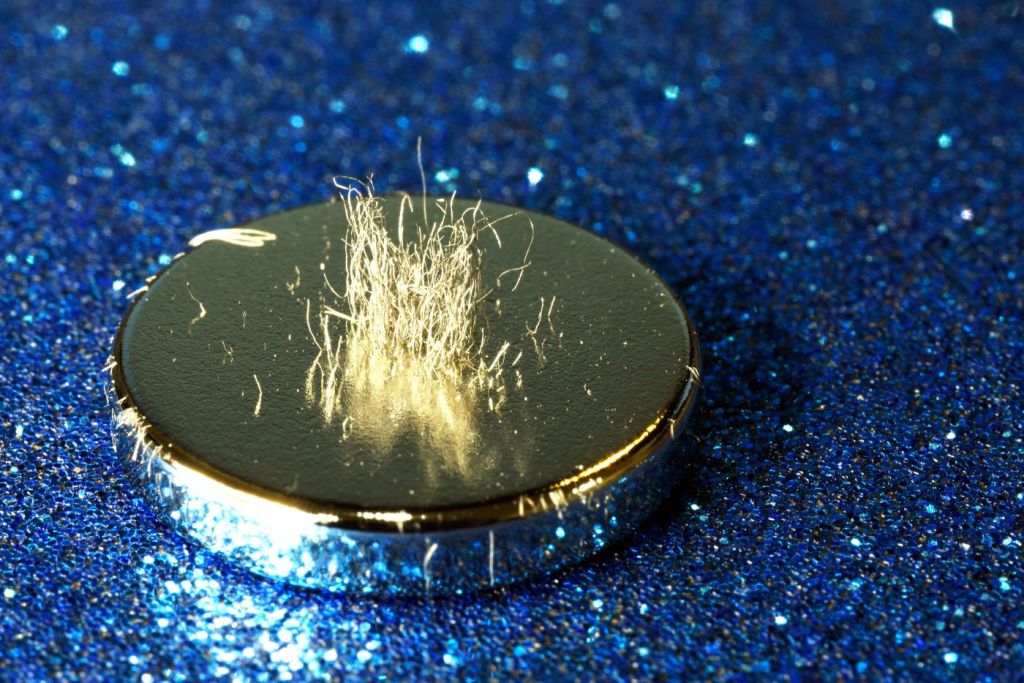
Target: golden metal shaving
[412,350]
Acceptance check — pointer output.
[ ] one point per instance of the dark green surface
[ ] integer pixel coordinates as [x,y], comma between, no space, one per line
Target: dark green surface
[615,361]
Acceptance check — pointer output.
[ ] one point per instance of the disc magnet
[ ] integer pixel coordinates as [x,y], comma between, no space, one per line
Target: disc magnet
[254,426]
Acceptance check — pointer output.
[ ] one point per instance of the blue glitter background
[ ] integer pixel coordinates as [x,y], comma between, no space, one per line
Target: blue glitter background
[835,190]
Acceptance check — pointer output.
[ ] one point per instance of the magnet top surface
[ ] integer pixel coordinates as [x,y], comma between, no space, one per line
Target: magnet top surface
[224,328]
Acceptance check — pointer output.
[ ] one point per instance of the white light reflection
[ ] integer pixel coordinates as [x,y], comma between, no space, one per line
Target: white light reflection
[944,18]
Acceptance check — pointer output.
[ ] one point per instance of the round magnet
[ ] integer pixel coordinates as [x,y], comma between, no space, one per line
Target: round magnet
[263,419]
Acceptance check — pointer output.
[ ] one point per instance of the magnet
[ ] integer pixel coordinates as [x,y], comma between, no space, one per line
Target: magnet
[256,424]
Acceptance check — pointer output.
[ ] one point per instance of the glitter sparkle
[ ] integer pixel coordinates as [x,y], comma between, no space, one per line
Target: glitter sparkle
[944,18]
[418,44]
[902,325]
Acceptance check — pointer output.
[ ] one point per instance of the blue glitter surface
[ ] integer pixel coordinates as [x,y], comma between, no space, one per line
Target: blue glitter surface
[835,190]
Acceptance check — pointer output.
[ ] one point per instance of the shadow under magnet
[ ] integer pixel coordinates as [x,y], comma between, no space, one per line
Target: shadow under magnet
[394,482]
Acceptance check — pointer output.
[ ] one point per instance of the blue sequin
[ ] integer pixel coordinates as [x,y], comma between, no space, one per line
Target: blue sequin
[418,44]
